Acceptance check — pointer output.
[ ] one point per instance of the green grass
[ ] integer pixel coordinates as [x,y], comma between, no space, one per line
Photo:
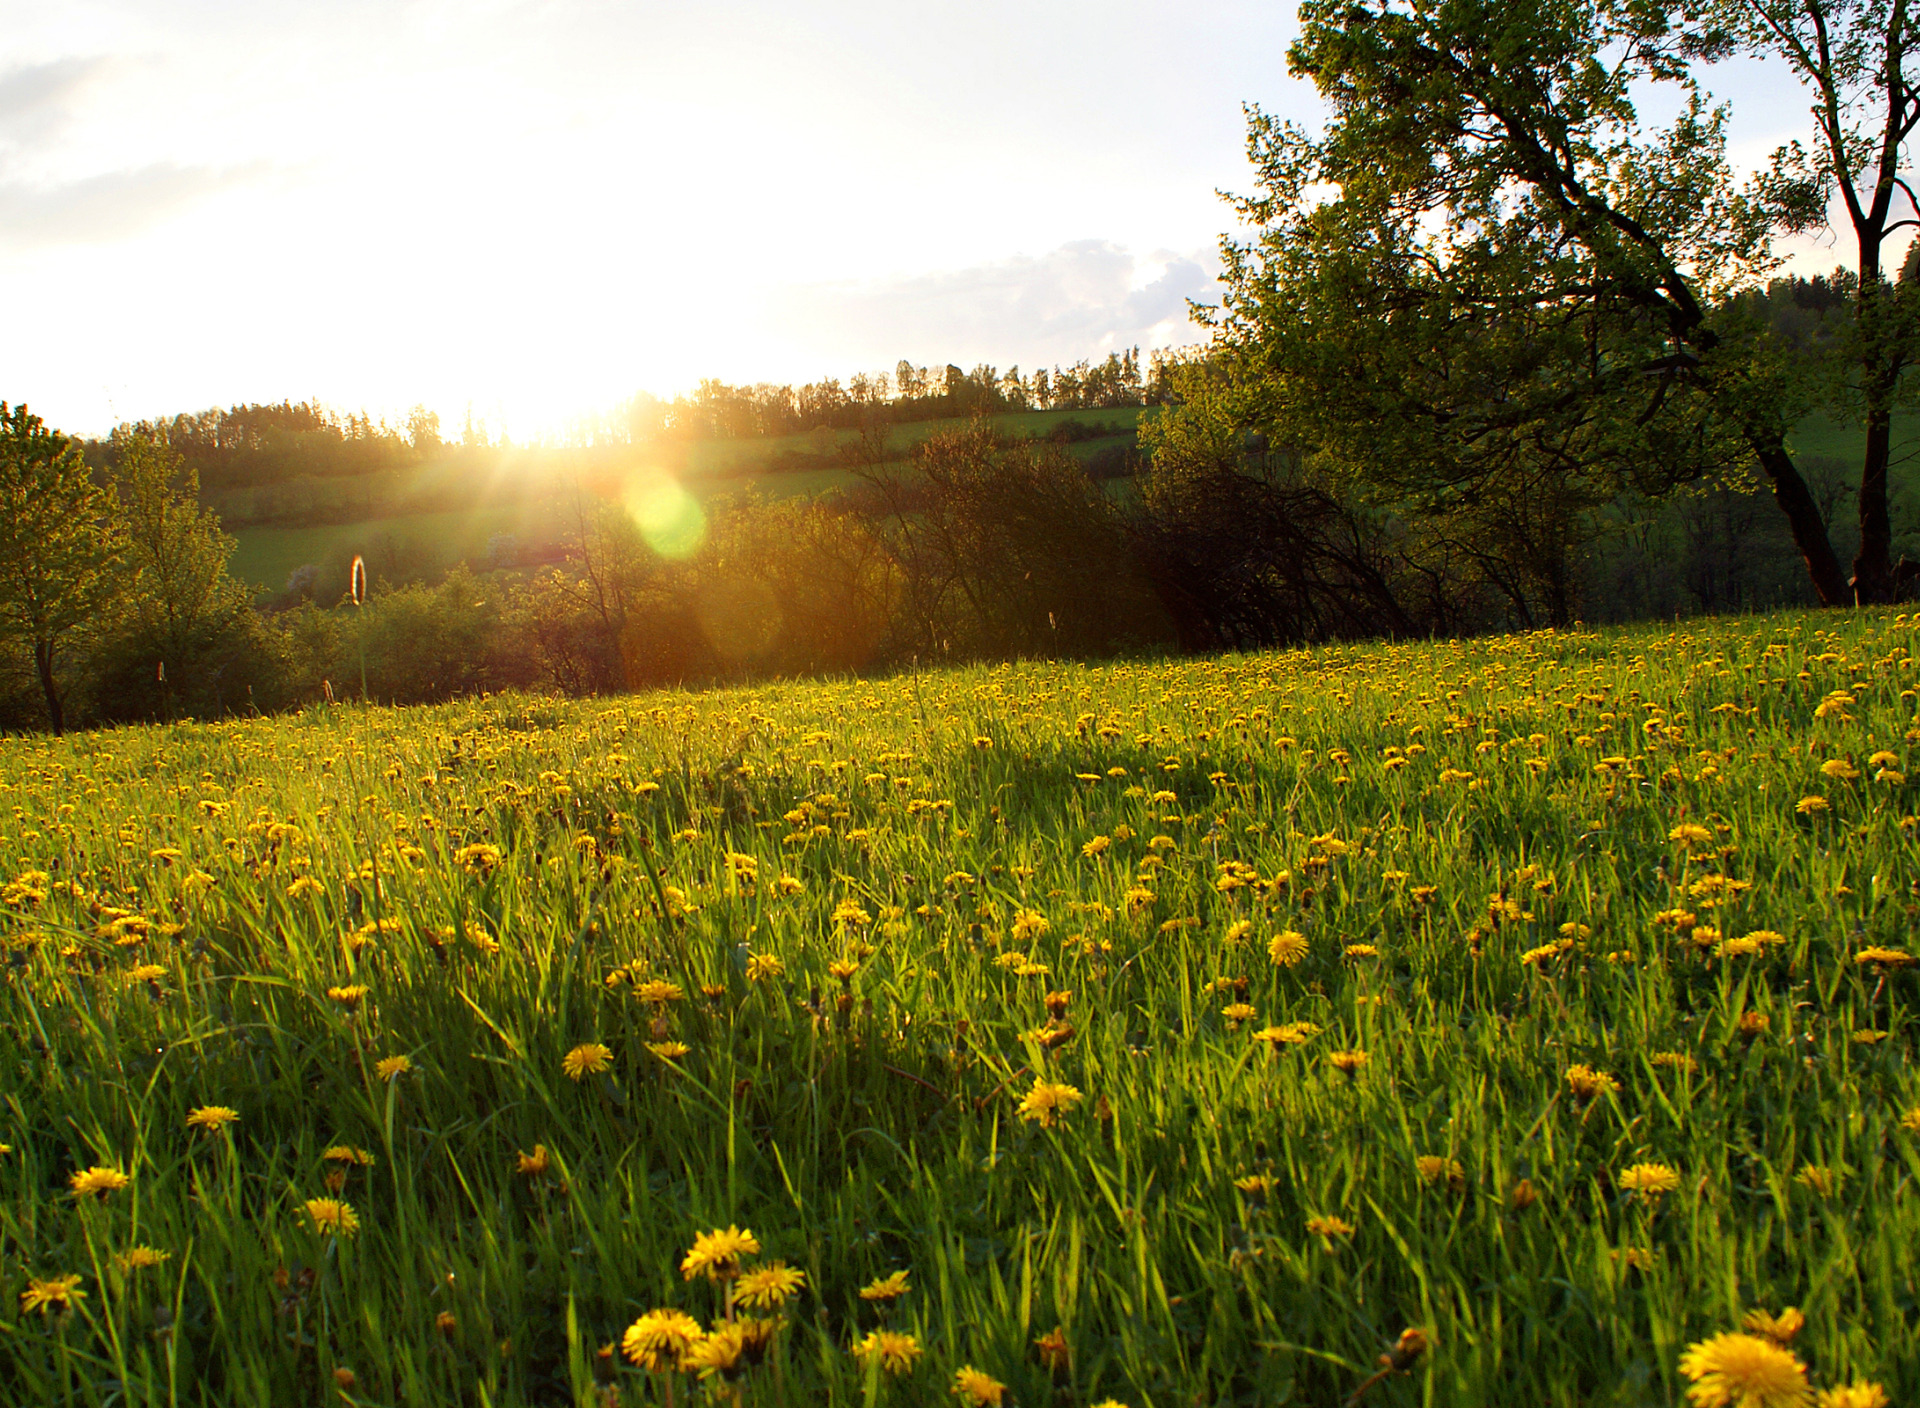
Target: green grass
[1135,835]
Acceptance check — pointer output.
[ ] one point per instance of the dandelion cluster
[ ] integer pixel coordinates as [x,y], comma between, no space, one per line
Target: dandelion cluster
[1131,986]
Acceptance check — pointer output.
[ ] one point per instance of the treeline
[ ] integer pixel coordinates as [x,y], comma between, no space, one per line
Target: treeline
[256,445]
[717,410]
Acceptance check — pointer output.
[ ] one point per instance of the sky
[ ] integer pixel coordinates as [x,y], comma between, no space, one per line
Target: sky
[528,210]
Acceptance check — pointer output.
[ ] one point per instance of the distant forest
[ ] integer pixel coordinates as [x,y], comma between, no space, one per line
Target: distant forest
[268,444]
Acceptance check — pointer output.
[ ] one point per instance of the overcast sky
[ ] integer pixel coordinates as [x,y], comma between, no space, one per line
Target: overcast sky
[537,209]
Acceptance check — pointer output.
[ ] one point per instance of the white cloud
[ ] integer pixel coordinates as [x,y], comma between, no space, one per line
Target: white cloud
[1081,299]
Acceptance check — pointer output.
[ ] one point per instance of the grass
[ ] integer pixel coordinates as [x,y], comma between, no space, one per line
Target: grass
[267,554]
[879,913]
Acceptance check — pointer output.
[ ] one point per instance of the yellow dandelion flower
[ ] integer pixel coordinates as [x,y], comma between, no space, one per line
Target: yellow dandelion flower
[716,1255]
[764,965]
[53,1293]
[658,1339]
[1884,958]
[1779,1328]
[769,1287]
[92,1182]
[978,1389]
[1910,1121]
[1744,1371]
[350,996]
[1329,1227]
[535,1164]
[1840,768]
[587,1059]
[141,1258]
[1650,1180]
[668,1050]
[346,1154]
[1348,1063]
[1817,1178]
[1097,846]
[1585,1082]
[659,992]
[719,1352]
[1287,948]
[333,1218]
[886,1289]
[1690,834]
[1811,806]
[392,1067]
[1858,1394]
[1047,1101]
[894,1352]
[211,1119]
[1434,1169]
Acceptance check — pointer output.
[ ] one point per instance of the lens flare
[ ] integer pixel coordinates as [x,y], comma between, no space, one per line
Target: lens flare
[669,518]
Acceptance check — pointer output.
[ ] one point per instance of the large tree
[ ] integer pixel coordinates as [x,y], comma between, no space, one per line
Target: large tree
[1489,272]
[59,546]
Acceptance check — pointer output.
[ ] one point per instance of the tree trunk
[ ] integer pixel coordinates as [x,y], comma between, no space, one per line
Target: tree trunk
[1809,528]
[43,662]
[1873,563]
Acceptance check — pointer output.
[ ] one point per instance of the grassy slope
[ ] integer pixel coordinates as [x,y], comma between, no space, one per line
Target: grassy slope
[971,841]
[266,555]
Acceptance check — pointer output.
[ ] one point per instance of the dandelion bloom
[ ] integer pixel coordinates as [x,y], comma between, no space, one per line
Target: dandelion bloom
[392,1067]
[1858,1394]
[346,1154]
[54,1293]
[886,1289]
[1097,845]
[1054,1351]
[894,1352]
[1434,1169]
[1585,1082]
[1257,1186]
[659,992]
[535,1164]
[589,1058]
[1288,947]
[91,1182]
[764,965]
[212,1118]
[668,1050]
[1811,806]
[333,1218]
[1779,1328]
[1329,1227]
[1238,1012]
[1348,1063]
[1047,1101]
[1650,1180]
[1910,1121]
[1744,1371]
[1690,834]
[1817,1178]
[141,1258]
[657,1339]
[1840,768]
[717,1254]
[1884,958]
[1753,1023]
[769,1287]
[978,1389]
[349,996]
[722,1351]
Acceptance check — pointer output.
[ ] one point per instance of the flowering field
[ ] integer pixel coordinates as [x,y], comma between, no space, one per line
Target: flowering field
[1525,1020]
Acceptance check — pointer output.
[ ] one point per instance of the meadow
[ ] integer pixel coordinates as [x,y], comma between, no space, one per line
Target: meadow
[1529,1013]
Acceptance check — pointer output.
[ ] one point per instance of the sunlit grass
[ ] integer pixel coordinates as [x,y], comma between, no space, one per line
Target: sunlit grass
[842,950]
